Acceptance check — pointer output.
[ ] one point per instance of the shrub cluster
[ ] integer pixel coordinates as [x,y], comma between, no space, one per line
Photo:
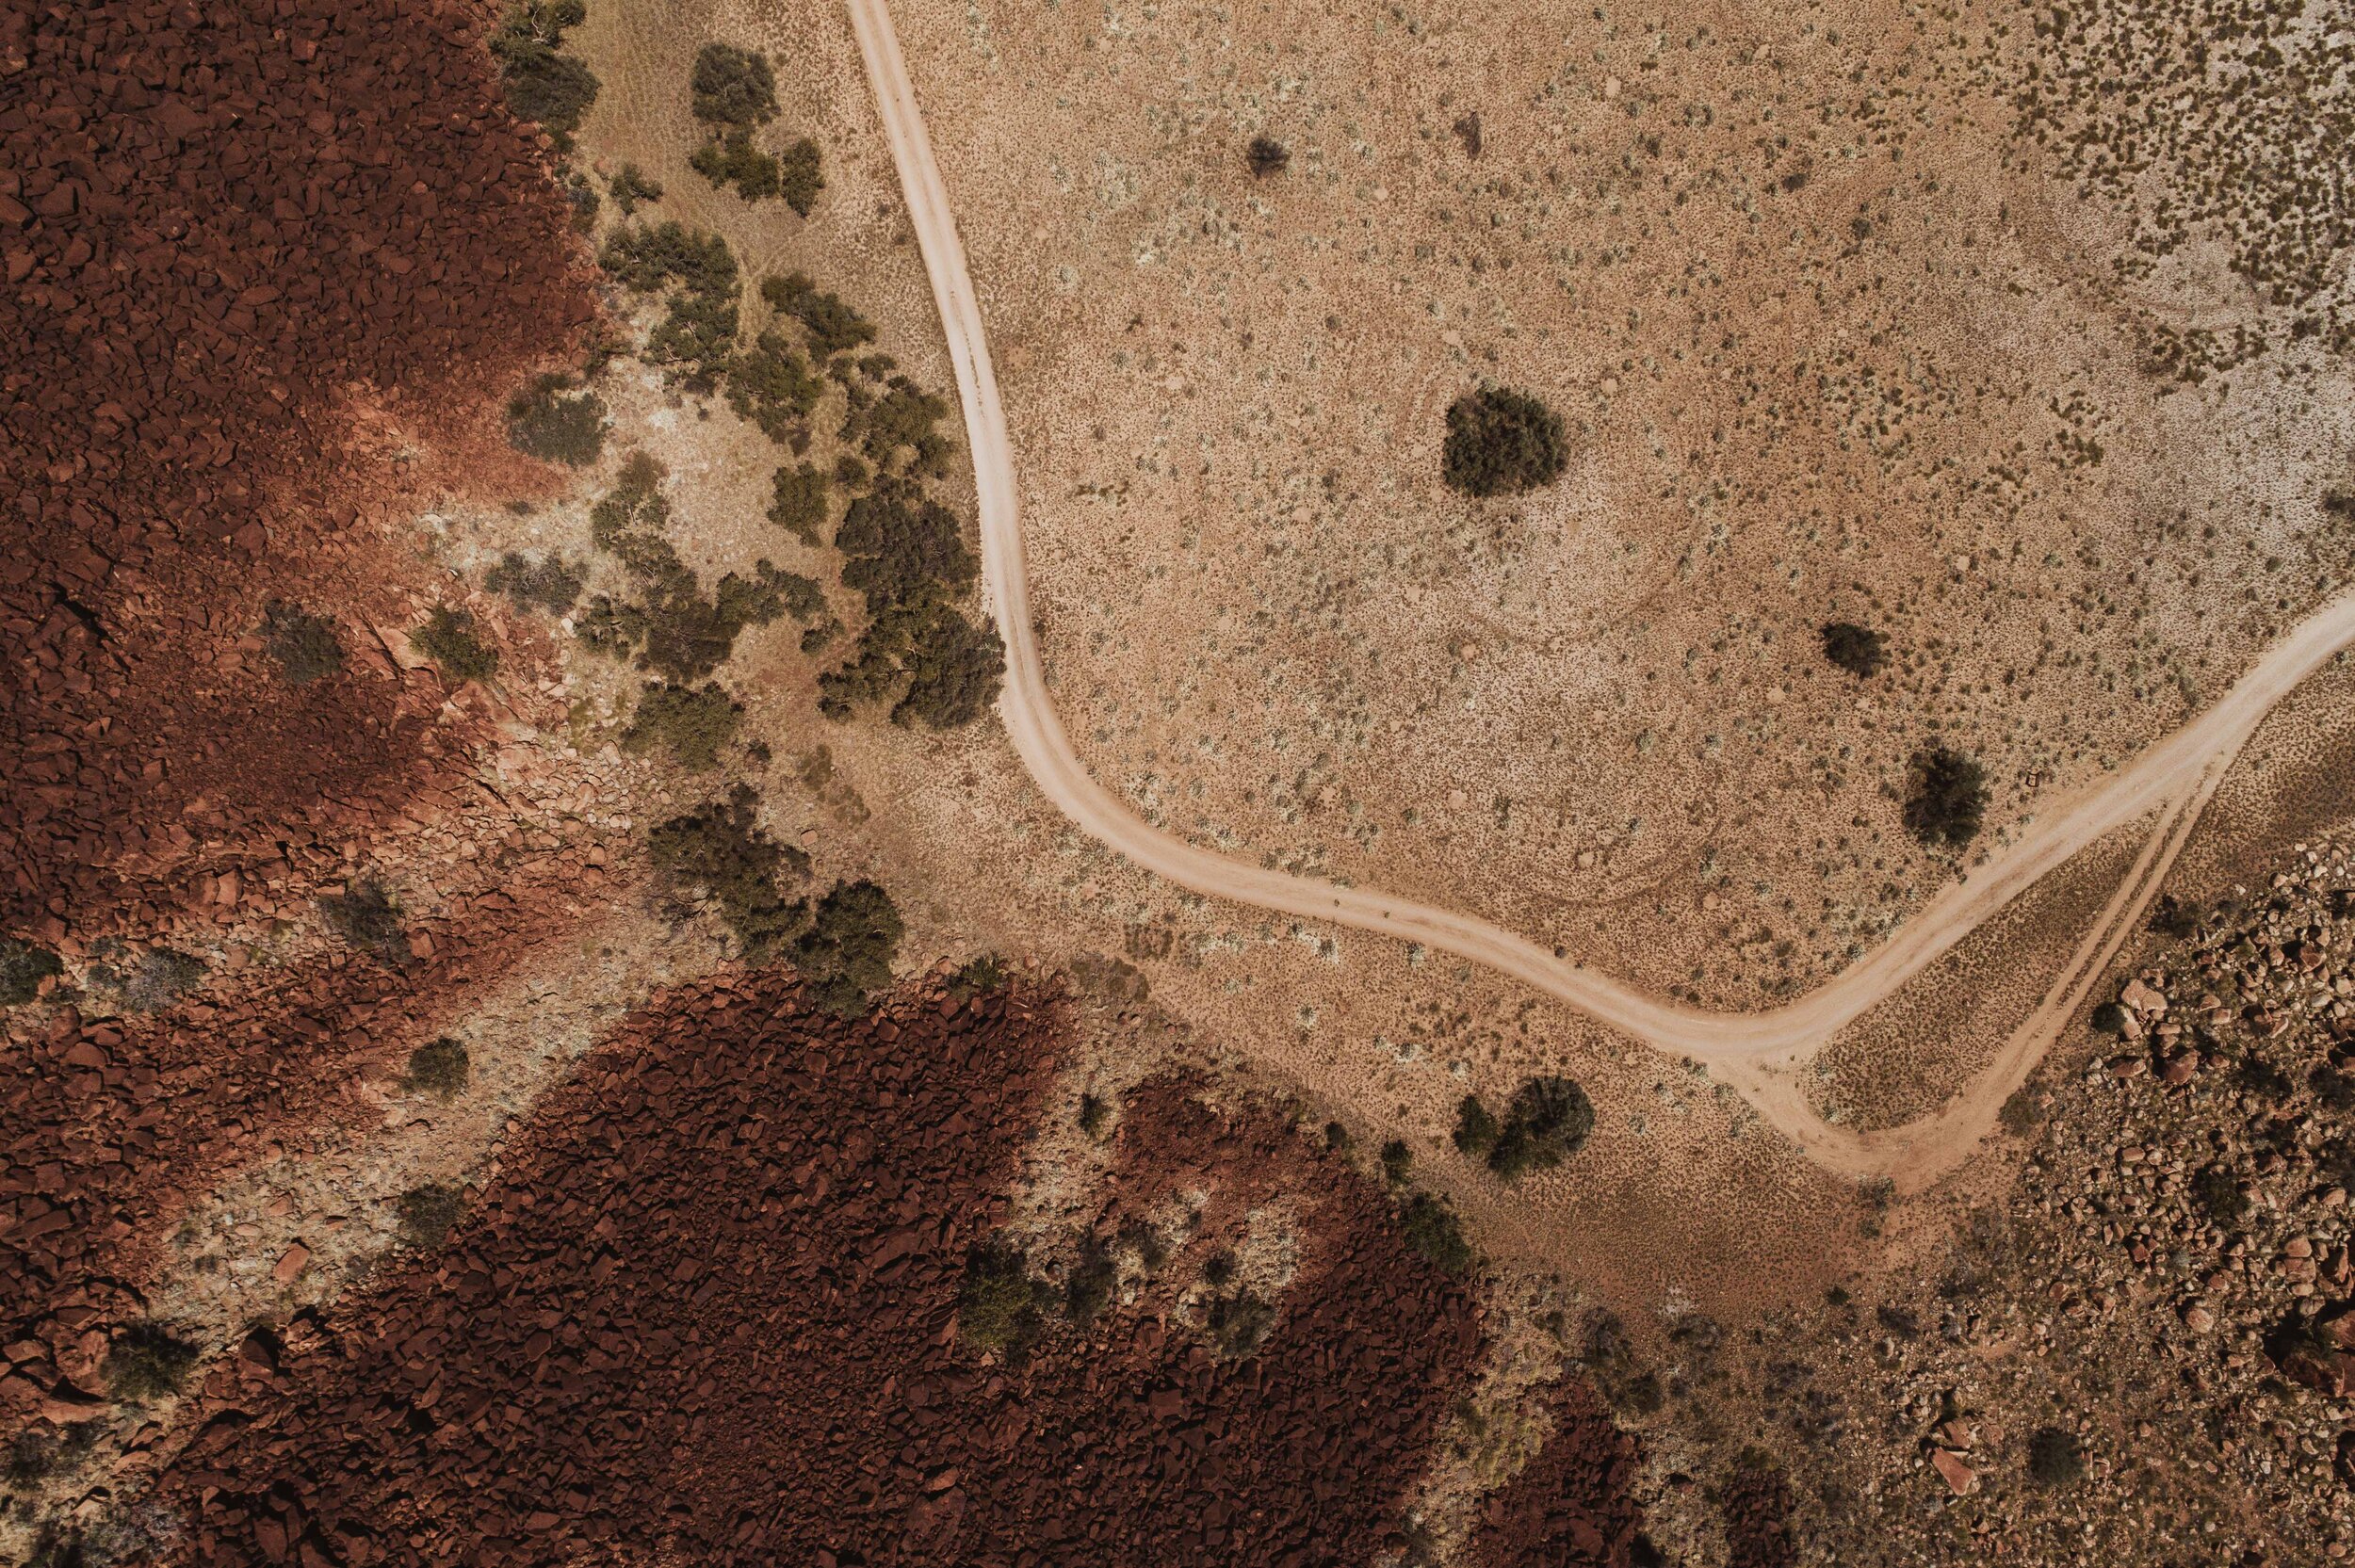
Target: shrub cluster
[1946,798]
[364,916]
[547,584]
[1548,1122]
[722,849]
[906,554]
[304,645]
[799,503]
[447,639]
[631,186]
[1502,443]
[732,87]
[691,723]
[697,274]
[1432,1230]
[541,84]
[771,385]
[1859,650]
[833,328]
[426,1213]
[1002,1306]
[846,954]
[554,421]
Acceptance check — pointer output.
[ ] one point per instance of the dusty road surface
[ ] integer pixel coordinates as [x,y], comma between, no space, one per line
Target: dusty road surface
[1757,1051]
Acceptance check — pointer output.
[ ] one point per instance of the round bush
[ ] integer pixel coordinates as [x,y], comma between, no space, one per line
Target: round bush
[1502,443]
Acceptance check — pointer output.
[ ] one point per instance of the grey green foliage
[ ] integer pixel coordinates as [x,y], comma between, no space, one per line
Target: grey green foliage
[722,849]
[542,85]
[303,646]
[448,638]
[693,724]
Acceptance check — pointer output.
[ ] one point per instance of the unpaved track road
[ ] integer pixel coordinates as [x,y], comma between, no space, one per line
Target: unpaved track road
[1759,1050]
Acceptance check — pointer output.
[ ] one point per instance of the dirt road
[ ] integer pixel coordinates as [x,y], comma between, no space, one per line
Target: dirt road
[1760,1051]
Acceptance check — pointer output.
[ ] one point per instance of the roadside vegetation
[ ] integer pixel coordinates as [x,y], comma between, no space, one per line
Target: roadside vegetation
[1946,798]
[1548,1122]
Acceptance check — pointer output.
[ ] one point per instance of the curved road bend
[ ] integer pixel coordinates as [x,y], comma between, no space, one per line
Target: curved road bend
[2165,774]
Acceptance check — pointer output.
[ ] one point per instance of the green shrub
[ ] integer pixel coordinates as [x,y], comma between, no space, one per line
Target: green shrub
[1946,798]
[447,639]
[1265,156]
[799,503]
[146,1360]
[439,1067]
[1001,1308]
[1475,1129]
[2055,1458]
[954,669]
[771,384]
[692,724]
[905,416]
[22,967]
[547,584]
[1502,443]
[846,952]
[2109,1018]
[427,1213]
[542,85]
[834,327]
[1859,650]
[733,160]
[1337,1138]
[799,175]
[1431,1229]
[732,87]
[631,186]
[1096,1114]
[2021,1112]
[364,916]
[697,338]
[304,645]
[722,849]
[2172,917]
[556,422]
[897,540]
[1398,1161]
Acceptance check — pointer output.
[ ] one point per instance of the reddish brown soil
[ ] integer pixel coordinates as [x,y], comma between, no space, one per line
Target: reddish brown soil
[1757,1511]
[226,229]
[708,1314]
[117,1121]
[1570,1504]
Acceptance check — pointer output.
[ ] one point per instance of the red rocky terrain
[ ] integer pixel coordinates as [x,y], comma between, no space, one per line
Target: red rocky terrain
[226,230]
[707,1312]
[1570,1505]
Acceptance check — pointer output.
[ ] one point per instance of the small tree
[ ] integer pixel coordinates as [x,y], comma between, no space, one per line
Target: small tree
[1431,1229]
[145,1362]
[438,1067]
[541,84]
[1947,798]
[799,503]
[733,160]
[800,177]
[364,916]
[1265,156]
[1859,650]
[1502,443]
[631,186]
[846,952]
[1475,1129]
[692,724]
[428,1212]
[1001,1308]
[22,967]
[733,86]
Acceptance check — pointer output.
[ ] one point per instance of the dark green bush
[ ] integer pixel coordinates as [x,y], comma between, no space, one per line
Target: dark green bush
[1475,1128]
[364,916]
[834,327]
[897,540]
[1502,443]
[722,849]
[732,87]
[1431,1229]
[304,645]
[547,584]
[733,160]
[1265,156]
[954,669]
[1548,1122]
[1859,650]
[692,724]
[426,1213]
[1088,1291]
[799,175]
[771,384]
[904,417]
[698,336]
[632,185]
[447,639]
[1398,1161]
[542,85]
[799,506]
[22,967]
[439,1067]
[2055,1458]
[146,1360]
[1946,798]
[556,422]
[1001,1308]
[2109,1018]
[846,954]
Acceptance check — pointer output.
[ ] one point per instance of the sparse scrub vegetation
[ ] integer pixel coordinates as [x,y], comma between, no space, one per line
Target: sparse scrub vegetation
[771,384]
[547,584]
[2055,1458]
[631,186]
[733,160]
[146,1360]
[799,503]
[1237,1323]
[156,978]
[439,1067]
[557,422]
[1502,443]
[1265,156]
[1432,1230]
[22,967]
[732,87]
[697,274]
[365,915]
[542,85]
[304,645]
[693,724]
[1946,798]
[722,849]
[428,1212]
[978,977]
[447,639]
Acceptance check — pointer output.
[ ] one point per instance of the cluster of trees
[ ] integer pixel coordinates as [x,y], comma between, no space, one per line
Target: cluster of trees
[696,272]
[733,92]
[541,83]
[555,421]
[1549,1121]
[905,553]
